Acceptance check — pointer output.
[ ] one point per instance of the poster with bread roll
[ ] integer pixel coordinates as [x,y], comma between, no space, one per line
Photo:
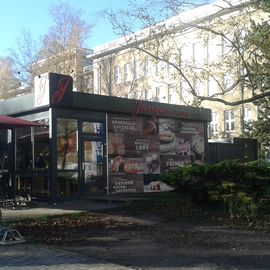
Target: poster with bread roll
[124,165]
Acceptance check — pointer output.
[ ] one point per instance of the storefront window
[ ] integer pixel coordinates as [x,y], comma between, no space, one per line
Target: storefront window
[24,158]
[23,184]
[41,146]
[3,150]
[92,127]
[40,186]
[67,183]
[67,145]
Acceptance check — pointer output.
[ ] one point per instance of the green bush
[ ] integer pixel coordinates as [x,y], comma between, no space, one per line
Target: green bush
[243,189]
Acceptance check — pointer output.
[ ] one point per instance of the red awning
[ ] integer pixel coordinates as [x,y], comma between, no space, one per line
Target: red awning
[13,122]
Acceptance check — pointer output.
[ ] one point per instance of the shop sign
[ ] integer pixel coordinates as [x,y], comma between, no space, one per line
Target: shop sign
[52,88]
[156,110]
[42,90]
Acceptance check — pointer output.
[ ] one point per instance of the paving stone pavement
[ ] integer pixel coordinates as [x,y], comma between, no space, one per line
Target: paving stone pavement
[37,257]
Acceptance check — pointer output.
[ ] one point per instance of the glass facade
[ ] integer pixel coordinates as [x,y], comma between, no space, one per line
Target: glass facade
[24,149]
[92,127]
[3,149]
[67,183]
[32,154]
[67,156]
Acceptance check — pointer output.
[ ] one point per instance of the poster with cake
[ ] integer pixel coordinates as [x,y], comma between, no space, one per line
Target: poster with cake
[182,138]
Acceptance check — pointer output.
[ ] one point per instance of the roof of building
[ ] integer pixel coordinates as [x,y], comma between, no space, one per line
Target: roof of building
[189,17]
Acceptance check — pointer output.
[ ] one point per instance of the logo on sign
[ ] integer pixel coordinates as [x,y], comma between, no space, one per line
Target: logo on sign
[61,89]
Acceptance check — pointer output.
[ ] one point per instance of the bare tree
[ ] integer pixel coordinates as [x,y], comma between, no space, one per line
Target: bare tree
[224,27]
[23,57]
[8,82]
[60,50]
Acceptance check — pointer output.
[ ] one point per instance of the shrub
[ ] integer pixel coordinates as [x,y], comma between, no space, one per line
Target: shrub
[242,189]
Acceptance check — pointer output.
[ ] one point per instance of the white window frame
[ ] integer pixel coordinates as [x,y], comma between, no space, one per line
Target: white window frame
[229,123]
[247,114]
[127,73]
[214,124]
[148,94]
[214,49]
[137,70]
[199,54]
[172,96]
[158,93]
[212,87]
[146,68]
[228,82]
[117,74]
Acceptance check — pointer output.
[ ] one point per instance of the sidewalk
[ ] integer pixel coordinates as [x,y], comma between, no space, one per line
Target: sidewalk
[37,257]
[61,208]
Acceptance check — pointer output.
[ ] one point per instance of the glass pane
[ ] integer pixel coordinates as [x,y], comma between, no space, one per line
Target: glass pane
[92,127]
[67,154]
[41,146]
[93,166]
[23,185]
[24,158]
[40,186]
[67,183]
[3,150]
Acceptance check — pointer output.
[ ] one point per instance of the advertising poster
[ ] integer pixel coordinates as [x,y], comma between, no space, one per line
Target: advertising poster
[123,165]
[182,138]
[125,124]
[125,184]
[133,150]
[173,162]
[142,148]
[138,145]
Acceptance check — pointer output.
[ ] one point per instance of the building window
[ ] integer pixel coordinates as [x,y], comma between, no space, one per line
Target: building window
[127,72]
[214,49]
[214,124]
[172,96]
[24,150]
[212,87]
[158,92]
[199,54]
[67,144]
[247,115]
[228,82]
[3,149]
[146,68]
[117,74]
[136,94]
[148,94]
[137,72]
[186,55]
[185,92]
[199,87]
[229,121]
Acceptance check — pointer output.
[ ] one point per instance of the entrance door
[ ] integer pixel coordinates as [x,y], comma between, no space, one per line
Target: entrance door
[94,180]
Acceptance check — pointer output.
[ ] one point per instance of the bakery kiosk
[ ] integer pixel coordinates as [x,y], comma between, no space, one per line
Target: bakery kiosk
[93,144]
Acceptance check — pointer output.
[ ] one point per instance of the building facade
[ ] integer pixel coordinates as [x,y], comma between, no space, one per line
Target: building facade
[89,144]
[200,54]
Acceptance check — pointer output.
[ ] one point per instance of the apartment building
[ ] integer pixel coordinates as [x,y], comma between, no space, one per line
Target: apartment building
[199,54]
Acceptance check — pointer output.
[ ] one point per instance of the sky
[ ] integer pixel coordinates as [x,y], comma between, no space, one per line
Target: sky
[33,15]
